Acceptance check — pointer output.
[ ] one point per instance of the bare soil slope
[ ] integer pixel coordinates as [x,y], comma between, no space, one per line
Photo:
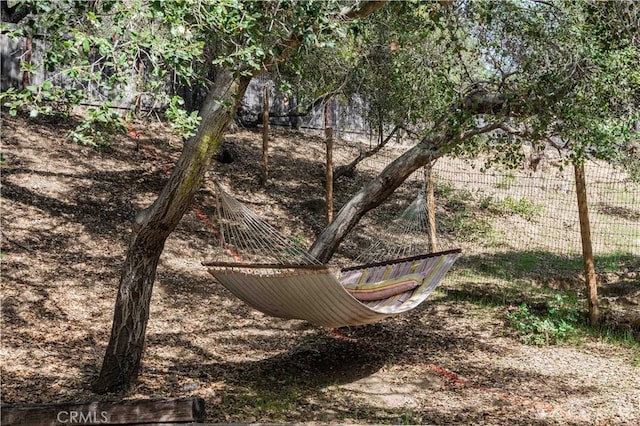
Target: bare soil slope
[66,215]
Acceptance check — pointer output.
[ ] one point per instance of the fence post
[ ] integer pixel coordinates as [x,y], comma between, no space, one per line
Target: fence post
[328,132]
[431,207]
[587,249]
[265,133]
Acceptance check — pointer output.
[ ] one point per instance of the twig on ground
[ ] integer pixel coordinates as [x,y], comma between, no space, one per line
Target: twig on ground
[14,242]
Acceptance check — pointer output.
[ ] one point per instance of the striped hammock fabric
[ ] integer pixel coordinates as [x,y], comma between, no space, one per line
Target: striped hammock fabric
[320,296]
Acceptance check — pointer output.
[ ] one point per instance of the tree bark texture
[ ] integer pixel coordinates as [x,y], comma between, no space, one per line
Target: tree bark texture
[14,14]
[28,51]
[431,208]
[265,133]
[150,231]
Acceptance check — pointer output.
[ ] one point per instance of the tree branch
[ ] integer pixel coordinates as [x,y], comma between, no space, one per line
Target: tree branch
[547,3]
[348,169]
[309,109]
[480,130]
[360,10]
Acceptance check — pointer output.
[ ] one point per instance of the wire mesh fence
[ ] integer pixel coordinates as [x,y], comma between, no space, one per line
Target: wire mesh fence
[522,210]
[538,210]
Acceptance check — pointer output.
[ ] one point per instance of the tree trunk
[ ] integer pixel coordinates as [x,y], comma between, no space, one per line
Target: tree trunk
[152,227]
[431,208]
[375,192]
[26,57]
[350,169]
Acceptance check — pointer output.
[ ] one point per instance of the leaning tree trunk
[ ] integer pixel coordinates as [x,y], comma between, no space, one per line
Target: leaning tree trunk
[375,192]
[382,186]
[150,231]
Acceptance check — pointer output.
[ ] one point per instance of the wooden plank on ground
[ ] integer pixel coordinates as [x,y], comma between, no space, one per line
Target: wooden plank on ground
[176,410]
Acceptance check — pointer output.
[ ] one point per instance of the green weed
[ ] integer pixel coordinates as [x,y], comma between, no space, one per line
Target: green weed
[512,206]
[266,403]
[615,335]
[182,122]
[467,226]
[444,190]
[507,181]
[98,128]
[556,324]
[45,100]
[617,261]
[407,419]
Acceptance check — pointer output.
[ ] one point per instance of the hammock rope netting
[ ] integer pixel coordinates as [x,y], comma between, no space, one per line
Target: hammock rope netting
[404,237]
[279,278]
[246,238]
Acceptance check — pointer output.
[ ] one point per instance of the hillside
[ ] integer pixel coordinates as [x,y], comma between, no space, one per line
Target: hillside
[66,215]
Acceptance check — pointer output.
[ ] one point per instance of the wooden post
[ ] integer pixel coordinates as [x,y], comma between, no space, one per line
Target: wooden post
[431,208]
[587,249]
[28,51]
[295,120]
[328,132]
[130,412]
[265,134]
[138,100]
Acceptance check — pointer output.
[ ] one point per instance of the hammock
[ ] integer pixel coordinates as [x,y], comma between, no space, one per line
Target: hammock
[297,286]
[318,295]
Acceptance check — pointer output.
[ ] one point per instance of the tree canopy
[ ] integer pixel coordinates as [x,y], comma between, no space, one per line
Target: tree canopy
[563,72]
[560,74]
[150,51]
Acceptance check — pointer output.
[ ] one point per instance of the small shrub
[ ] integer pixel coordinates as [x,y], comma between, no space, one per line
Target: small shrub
[444,190]
[466,226]
[98,127]
[507,181]
[50,101]
[182,123]
[45,100]
[553,326]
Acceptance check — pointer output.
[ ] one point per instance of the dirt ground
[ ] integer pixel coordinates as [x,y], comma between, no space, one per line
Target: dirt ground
[66,217]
